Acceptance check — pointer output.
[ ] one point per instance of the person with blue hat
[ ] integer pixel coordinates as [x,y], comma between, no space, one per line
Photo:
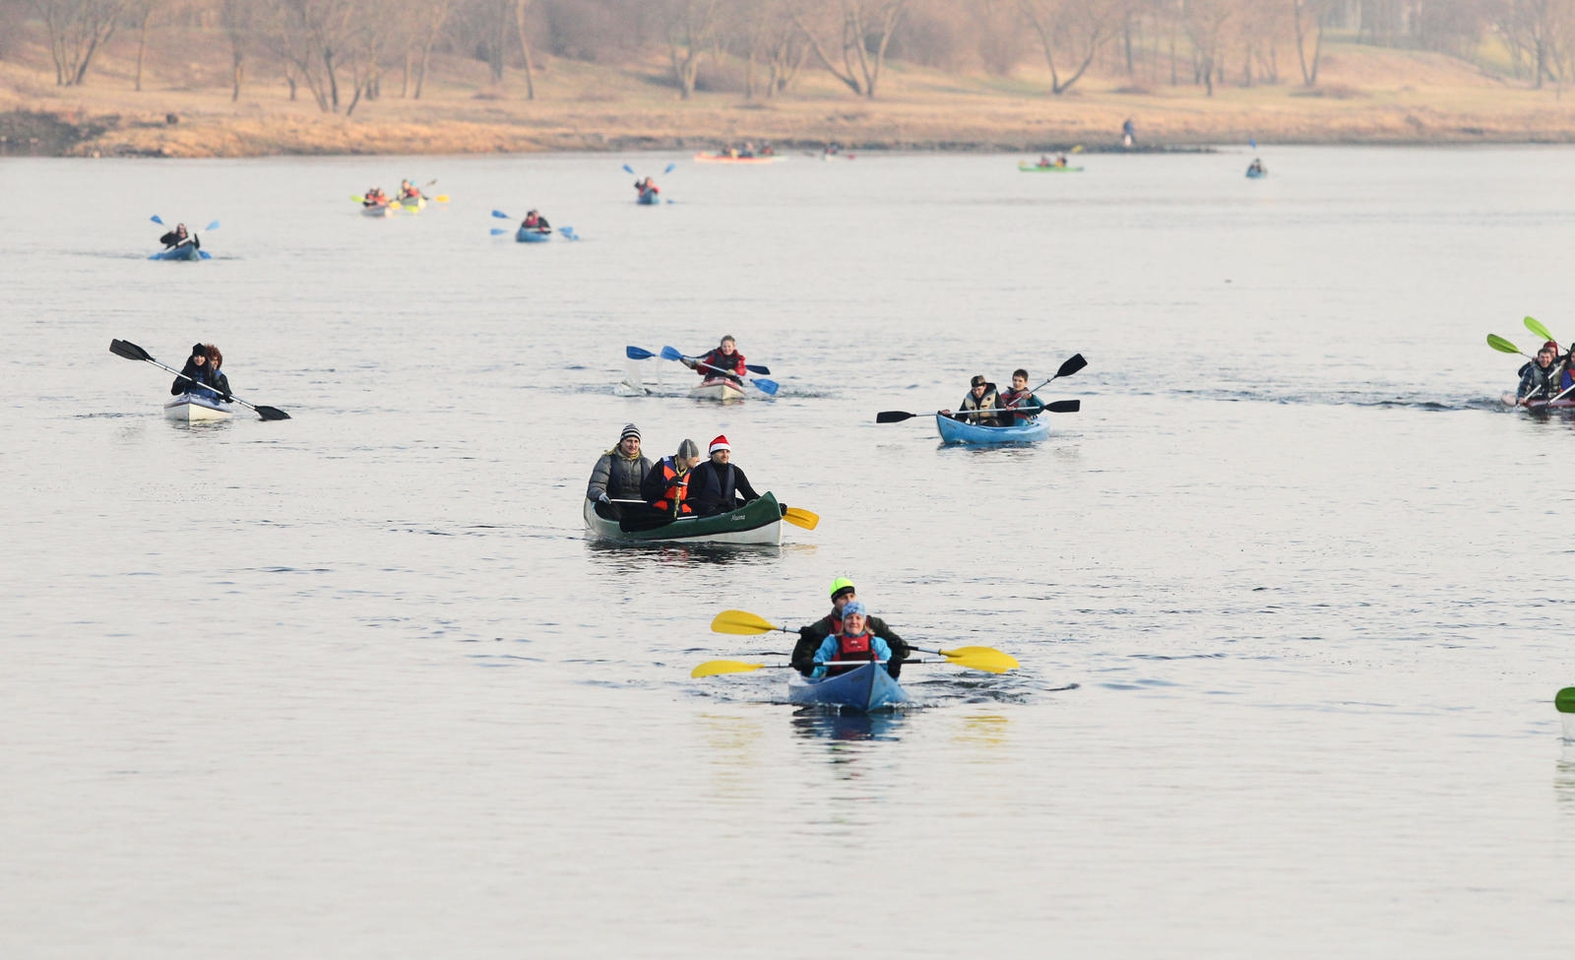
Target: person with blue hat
[853,645]
[811,637]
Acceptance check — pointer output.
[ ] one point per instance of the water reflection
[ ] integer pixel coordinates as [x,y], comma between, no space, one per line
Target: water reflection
[989,730]
[680,554]
[1564,774]
[819,723]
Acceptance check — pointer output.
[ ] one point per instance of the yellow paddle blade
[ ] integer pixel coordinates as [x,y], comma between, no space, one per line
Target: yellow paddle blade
[800,517]
[441,198]
[713,667]
[738,621]
[1078,148]
[988,659]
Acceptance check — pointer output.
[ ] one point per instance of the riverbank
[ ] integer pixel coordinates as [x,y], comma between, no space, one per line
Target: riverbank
[1366,96]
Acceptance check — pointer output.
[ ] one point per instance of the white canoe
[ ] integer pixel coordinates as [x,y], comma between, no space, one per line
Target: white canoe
[721,389]
[756,522]
[379,210]
[189,407]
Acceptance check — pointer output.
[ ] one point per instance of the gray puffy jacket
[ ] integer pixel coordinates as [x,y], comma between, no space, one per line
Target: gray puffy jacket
[618,476]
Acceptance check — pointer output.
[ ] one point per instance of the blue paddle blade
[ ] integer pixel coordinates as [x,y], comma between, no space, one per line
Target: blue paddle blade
[155,219]
[670,168]
[499,231]
[671,353]
[212,226]
[569,233]
[1253,141]
[756,368]
[204,254]
[767,387]
[635,353]
[501,215]
[628,169]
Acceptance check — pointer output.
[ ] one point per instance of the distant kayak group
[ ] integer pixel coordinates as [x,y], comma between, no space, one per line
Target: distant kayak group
[1547,381]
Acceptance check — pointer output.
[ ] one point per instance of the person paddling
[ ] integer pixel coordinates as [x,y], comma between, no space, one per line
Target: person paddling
[1018,398]
[982,395]
[724,361]
[618,475]
[535,221]
[408,191]
[1539,379]
[811,637]
[666,487]
[717,485]
[374,198]
[643,187]
[1256,167]
[200,376]
[179,237]
[854,642]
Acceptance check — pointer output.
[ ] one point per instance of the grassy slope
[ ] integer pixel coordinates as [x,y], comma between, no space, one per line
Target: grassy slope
[1369,95]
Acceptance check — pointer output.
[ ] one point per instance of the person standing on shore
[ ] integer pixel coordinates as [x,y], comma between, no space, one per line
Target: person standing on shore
[1128,133]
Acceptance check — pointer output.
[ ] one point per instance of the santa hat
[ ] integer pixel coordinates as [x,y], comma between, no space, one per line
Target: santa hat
[720,443]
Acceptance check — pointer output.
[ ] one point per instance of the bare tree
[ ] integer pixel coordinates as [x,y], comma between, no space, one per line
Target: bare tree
[693,29]
[1076,29]
[311,36]
[77,29]
[520,8]
[432,18]
[1539,30]
[1204,21]
[1310,17]
[864,29]
[143,10]
[235,16]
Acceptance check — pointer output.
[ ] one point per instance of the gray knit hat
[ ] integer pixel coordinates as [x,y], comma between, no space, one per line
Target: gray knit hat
[629,430]
[688,449]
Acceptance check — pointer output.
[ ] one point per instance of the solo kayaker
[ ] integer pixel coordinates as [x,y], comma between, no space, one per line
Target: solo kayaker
[618,475]
[811,637]
[408,191]
[643,187]
[666,487]
[535,221]
[718,486]
[1018,398]
[1256,166]
[982,395]
[1539,379]
[724,361]
[854,642]
[179,237]
[197,376]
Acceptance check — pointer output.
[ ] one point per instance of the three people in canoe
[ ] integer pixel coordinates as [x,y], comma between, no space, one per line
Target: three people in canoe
[375,197]
[724,361]
[535,221]
[619,474]
[179,238]
[812,640]
[749,150]
[201,374]
[987,406]
[1045,161]
[1545,377]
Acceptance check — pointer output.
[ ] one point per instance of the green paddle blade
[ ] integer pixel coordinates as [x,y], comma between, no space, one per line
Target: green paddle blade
[740,621]
[1501,345]
[713,667]
[1565,700]
[1537,328]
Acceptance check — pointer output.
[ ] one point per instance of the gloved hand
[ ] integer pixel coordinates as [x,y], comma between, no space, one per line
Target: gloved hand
[784,509]
[227,398]
[603,498]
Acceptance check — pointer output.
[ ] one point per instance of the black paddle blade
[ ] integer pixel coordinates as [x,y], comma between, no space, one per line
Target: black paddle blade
[274,413]
[1064,406]
[893,416]
[1073,364]
[129,350]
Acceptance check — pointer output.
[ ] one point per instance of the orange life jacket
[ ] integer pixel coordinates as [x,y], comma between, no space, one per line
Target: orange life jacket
[853,648]
[677,490]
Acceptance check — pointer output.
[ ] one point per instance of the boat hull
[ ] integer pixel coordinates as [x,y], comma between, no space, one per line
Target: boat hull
[720,390]
[1564,404]
[1257,174]
[955,431]
[531,236]
[414,204]
[1036,168]
[188,252]
[724,158]
[378,210]
[756,523]
[649,199]
[863,689]
[190,408]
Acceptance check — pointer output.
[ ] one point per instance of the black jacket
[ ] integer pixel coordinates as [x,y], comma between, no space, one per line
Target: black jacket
[714,489]
[204,377]
[811,637]
[172,239]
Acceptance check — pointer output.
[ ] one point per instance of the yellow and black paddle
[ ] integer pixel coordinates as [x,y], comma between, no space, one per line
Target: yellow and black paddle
[987,659]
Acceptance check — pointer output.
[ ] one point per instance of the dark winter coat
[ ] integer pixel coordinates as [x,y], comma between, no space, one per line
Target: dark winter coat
[1537,383]
[811,637]
[195,379]
[618,476]
[717,489]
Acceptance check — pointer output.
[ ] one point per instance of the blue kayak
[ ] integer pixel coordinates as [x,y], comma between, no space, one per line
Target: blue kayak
[864,689]
[531,236]
[649,198]
[186,252]
[956,431]
[1256,174]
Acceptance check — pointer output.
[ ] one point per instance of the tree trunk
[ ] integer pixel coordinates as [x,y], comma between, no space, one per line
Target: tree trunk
[421,74]
[333,78]
[142,43]
[519,28]
[237,66]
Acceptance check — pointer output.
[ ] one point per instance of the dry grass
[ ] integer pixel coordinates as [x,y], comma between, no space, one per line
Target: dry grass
[1365,95]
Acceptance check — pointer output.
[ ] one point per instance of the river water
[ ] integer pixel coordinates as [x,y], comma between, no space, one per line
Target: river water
[1289,593]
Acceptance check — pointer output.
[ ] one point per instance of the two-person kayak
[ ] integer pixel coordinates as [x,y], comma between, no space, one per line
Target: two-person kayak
[957,431]
[863,689]
[1564,404]
[192,407]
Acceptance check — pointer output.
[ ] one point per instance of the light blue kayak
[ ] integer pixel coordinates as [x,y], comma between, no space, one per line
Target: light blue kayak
[956,431]
[531,236]
[186,252]
[863,689]
[1256,174]
[649,198]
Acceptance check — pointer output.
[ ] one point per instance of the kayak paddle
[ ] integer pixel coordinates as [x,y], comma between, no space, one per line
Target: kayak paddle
[1565,701]
[767,387]
[799,517]
[1056,406]
[635,353]
[712,668]
[1537,328]
[1503,346]
[568,232]
[129,350]
[987,659]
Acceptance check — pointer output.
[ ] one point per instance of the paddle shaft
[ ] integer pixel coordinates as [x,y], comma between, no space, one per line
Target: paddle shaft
[729,374]
[206,387]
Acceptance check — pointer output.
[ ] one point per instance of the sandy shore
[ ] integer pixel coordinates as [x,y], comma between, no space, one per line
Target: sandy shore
[1367,96]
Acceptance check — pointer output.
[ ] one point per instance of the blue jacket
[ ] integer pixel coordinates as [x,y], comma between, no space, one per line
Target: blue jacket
[829,647]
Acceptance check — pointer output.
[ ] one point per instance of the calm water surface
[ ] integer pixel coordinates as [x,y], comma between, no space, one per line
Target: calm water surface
[1290,594]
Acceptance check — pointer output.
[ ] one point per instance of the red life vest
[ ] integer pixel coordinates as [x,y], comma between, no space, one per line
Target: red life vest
[716,358]
[853,648]
[676,492]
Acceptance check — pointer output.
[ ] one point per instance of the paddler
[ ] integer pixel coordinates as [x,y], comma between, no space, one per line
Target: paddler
[198,376]
[718,486]
[981,396]
[537,222]
[642,187]
[724,361]
[855,641]
[666,487]
[1018,398]
[179,237]
[618,475]
[374,198]
[1539,379]
[408,191]
[811,637]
